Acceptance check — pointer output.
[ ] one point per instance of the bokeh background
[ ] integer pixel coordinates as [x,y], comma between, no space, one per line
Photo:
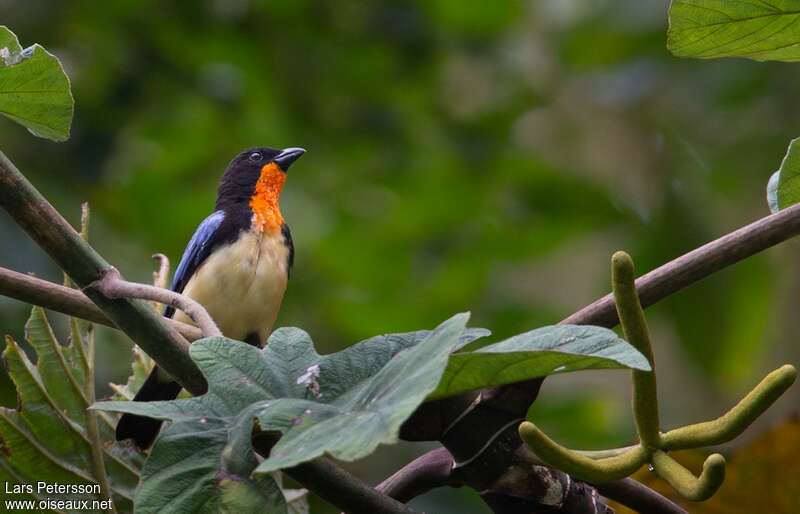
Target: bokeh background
[482,156]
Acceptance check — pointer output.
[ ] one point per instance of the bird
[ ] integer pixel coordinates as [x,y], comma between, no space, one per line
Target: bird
[236,265]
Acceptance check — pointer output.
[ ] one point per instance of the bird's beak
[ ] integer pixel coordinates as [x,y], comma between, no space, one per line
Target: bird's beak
[288,156]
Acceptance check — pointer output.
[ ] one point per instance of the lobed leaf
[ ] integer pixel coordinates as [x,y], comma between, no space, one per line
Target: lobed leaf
[756,29]
[46,438]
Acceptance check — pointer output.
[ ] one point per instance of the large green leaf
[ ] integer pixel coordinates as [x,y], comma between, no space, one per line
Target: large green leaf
[34,90]
[783,188]
[49,438]
[540,352]
[344,404]
[757,29]
[371,413]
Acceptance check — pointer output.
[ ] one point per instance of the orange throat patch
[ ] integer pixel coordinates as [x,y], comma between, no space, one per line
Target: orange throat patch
[264,202]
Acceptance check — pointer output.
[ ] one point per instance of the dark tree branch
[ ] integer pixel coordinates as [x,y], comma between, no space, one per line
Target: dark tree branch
[436,469]
[344,490]
[534,489]
[334,484]
[66,300]
[429,471]
[638,497]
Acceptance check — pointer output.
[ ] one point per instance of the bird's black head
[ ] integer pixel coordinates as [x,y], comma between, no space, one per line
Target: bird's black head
[268,165]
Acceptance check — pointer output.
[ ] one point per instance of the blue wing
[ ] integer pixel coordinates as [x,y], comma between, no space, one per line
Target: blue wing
[198,249]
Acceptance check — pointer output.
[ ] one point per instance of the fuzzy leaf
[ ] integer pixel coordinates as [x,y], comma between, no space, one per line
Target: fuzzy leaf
[355,423]
[46,438]
[185,473]
[756,29]
[34,90]
[540,352]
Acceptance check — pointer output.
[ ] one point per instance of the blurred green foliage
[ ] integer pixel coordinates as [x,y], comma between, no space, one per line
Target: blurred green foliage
[487,156]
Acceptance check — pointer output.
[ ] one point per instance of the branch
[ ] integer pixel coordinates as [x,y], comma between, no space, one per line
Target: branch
[429,471]
[525,489]
[344,490]
[84,265]
[71,302]
[435,469]
[627,492]
[697,265]
[638,497]
[113,286]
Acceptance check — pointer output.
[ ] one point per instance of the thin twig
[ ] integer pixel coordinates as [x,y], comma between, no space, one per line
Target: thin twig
[92,429]
[111,285]
[55,297]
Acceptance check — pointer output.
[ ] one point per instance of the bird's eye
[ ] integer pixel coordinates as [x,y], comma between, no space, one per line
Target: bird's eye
[255,156]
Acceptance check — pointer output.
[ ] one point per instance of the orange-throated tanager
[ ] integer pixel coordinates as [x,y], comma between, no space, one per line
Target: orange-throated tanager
[236,265]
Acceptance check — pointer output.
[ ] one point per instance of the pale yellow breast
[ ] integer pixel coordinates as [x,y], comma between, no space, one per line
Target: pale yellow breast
[242,284]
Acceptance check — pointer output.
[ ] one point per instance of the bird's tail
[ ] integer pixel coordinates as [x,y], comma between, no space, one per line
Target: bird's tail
[139,428]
